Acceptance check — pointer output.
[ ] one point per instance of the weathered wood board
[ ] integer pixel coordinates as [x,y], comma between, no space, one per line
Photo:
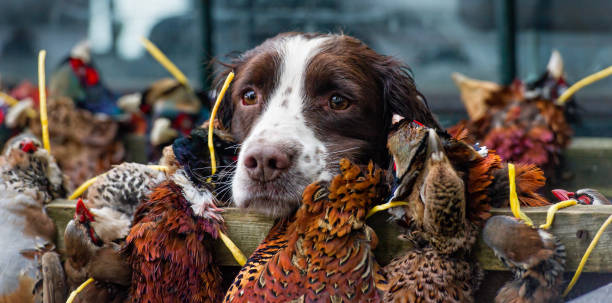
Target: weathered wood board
[574,226]
[589,160]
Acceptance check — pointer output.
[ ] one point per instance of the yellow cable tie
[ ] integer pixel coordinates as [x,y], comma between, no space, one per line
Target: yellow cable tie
[165,62]
[550,215]
[81,189]
[44,122]
[162,168]
[515,205]
[384,206]
[12,102]
[74,293]
[9,99]
[238,255]
[586,255]
[582,83]
[211,122]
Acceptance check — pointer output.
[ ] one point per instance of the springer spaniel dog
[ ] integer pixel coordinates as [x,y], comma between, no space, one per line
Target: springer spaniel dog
[300,102]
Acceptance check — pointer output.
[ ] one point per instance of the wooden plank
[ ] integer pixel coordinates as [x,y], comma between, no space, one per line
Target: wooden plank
[590,162]
[61,211]
[574,226]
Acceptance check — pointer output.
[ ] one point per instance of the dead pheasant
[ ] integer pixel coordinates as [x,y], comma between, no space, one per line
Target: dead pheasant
[535,257]
[29,179]
[449,188]
[522,122]
[437,269]
[324,253]
[85,145]
[169,247]
[93,239]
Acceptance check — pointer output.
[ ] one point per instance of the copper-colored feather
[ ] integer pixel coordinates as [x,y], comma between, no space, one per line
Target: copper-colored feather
[324,254]
[521,121]
[169,249]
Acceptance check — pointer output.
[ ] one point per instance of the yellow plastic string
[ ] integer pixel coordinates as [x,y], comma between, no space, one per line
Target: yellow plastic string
[550,214]
[9,99]
[162,168]
[44,122]
[384,206]
[213,115]
[584,82]
[78,290]
[586,255]
[180,77]
[81,189]
[165,62]
[12,102]
[238,255]
[515,205]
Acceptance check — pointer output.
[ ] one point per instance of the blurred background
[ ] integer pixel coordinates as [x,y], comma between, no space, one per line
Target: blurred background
[435,38]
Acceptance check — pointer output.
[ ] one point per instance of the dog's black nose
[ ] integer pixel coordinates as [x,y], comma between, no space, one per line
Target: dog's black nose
[265,163]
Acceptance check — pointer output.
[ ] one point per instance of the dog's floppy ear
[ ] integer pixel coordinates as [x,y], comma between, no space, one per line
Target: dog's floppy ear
[401,97]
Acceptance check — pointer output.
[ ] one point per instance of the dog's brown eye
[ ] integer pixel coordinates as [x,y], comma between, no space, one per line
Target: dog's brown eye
[249,97]
[338,102]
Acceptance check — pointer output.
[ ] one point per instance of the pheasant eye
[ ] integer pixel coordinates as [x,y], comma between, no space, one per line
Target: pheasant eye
[249,97]
[337,102]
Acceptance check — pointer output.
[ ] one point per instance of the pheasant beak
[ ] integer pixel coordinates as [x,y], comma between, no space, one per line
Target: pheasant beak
[28,146]
[563,195]
[435,150]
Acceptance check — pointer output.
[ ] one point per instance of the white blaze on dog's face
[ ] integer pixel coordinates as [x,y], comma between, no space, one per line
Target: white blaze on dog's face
[299,103]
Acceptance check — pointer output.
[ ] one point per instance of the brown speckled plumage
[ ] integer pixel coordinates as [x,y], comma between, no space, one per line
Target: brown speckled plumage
[123,187]
[450,188]
[34,173]
[93,239]
[438,269]
[85,145]
[535,257]
[29,179]
[323,254]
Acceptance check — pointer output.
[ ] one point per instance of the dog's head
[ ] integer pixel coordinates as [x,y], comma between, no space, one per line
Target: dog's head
[300,102]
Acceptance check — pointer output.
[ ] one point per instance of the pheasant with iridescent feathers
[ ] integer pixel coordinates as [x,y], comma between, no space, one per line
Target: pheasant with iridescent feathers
[522,122]
[324,253]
